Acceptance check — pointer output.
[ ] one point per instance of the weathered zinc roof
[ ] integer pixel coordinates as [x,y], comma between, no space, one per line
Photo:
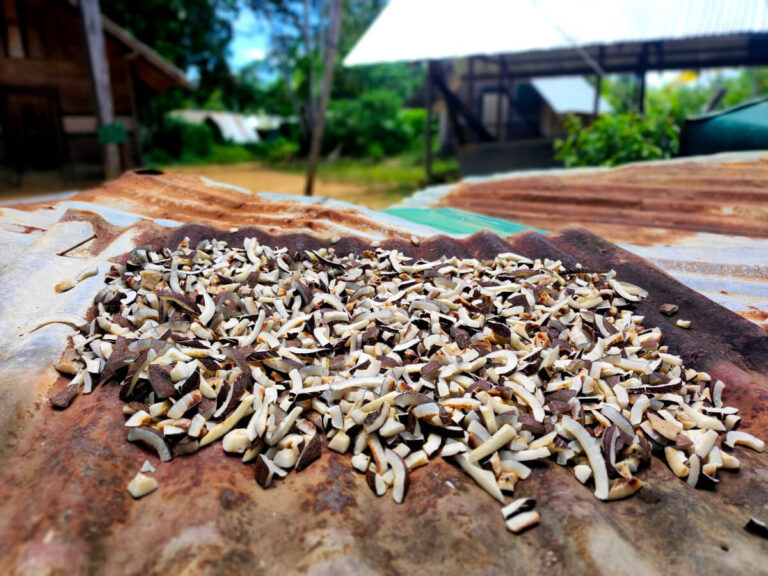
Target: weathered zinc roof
[703,220]
[413,30]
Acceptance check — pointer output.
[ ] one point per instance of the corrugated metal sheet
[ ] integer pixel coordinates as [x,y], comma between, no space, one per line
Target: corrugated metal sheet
[233,127]
[664,211]
[64,508]
[413,30]
[170,199]
[63,505]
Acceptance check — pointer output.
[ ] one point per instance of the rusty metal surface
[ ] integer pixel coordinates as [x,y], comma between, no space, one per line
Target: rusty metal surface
[731,270]
[172,198]
[64,508]
[723,195]
[659,211]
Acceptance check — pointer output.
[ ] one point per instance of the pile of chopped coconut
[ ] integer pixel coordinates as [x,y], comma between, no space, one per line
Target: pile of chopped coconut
[492,364]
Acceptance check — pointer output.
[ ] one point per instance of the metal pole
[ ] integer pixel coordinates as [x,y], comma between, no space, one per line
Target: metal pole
[90,14]
[428,124]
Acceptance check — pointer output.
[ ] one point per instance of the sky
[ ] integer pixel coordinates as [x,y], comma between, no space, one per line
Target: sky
[250,40]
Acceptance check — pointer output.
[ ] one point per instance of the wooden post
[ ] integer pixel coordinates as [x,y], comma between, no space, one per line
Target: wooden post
[90,14]
[13,30]
[641,95]
[642,69]
[319,123]
[598,83]
[428,125]
[596,103]
[134,114]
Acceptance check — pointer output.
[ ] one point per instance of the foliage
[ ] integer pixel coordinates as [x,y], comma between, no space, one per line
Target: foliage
[190,33]
[372,125]
[219,154]
[681,99]
[180,140]
[276,150]
[617,139]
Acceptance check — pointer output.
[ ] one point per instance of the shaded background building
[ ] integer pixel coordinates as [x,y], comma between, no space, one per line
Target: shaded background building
[477,62]
[48,118]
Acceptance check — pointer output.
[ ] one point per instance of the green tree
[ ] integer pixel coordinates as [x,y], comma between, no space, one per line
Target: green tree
[193,34]
[617,139]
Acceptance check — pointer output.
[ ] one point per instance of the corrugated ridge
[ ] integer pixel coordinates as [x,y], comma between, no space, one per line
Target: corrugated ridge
[728,198]
[188,199]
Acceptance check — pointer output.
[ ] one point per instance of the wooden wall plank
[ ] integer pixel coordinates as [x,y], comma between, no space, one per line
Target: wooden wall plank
[13,30]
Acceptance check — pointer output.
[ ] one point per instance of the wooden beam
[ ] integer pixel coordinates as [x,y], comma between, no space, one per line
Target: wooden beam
[455,102]
[134,113]
[90,15]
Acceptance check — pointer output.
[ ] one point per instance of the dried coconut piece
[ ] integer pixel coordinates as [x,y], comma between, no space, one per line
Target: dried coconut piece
[735,437]
[668,309]
[65,285]
[592,449]
[484,478]
[152,438]
[756,527]
[522,522]
[141,485]
[403,343]
[517,506]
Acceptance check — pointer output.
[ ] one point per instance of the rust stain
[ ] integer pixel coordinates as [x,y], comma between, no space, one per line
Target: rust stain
[185,198]
[643,205]
[63,503]
[21,228]
[756,315]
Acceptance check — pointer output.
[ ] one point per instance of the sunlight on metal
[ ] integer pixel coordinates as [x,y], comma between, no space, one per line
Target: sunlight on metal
[413,30]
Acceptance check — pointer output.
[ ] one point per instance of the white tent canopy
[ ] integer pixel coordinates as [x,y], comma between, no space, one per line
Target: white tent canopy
[414,30]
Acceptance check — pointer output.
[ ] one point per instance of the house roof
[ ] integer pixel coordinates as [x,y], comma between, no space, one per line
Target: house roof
[413,30]
[160,73]
[175,76]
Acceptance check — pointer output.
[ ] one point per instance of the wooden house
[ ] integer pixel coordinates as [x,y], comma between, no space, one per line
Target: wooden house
[48,118]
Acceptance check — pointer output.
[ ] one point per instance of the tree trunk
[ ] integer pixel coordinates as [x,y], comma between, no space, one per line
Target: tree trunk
[319,124]
[306,32]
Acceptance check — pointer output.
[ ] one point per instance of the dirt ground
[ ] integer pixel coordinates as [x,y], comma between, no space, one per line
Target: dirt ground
[259,179]
[249,175]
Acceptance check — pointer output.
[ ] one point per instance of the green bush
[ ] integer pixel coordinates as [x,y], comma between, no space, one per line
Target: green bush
[157,157]
[617,139]
[182,140]
[372,125]
[275,150]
